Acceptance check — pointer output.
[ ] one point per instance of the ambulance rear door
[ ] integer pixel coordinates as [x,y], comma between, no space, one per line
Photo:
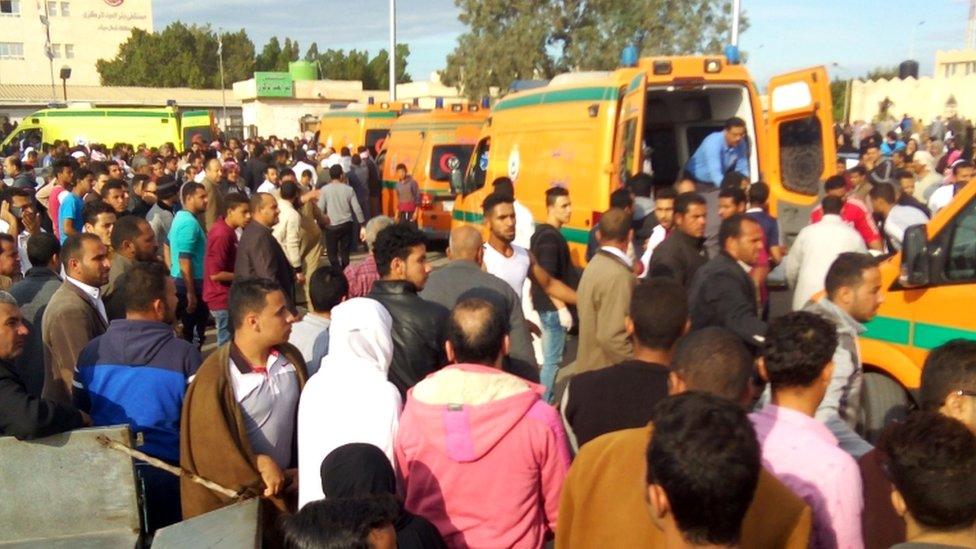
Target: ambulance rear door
[630,129]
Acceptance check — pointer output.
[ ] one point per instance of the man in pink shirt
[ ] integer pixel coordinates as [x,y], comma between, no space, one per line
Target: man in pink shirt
[799,450]
[855,213]
[481,455]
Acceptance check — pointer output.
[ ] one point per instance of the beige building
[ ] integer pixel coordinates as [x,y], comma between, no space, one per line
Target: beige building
[82,32]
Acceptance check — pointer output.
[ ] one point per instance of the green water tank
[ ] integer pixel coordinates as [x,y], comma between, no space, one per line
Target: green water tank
[303,70]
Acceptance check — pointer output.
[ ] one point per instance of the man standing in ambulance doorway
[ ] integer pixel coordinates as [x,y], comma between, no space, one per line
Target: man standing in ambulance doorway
[721,153]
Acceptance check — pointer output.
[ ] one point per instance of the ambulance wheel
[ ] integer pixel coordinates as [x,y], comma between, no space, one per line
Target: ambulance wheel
[883,400]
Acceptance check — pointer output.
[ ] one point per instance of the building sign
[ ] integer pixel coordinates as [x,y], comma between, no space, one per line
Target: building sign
[117,19]
[273,84]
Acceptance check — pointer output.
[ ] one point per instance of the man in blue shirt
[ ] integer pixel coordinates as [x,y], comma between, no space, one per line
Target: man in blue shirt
[188,246]
[720,153]
[70,215]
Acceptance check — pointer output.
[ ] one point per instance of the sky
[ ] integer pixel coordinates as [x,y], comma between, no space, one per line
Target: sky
[850,37]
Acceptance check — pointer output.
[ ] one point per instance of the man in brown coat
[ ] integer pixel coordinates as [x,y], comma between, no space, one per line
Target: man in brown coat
[604,500]
[604,296]
[76,314]
[258,375]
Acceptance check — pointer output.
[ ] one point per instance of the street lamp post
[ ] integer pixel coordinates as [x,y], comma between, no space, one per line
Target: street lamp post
[392,50]
[65,75]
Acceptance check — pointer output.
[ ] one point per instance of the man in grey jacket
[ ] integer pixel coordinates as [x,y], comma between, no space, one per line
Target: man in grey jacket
[463,277]
[339,203]
[853,295]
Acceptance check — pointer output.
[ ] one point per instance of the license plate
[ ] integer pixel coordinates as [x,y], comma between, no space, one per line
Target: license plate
[448,205]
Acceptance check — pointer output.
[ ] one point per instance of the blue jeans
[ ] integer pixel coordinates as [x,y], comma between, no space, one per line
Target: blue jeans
[553,341]
[222,319]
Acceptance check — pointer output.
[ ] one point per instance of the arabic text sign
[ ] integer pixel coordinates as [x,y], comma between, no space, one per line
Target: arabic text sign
[273,84]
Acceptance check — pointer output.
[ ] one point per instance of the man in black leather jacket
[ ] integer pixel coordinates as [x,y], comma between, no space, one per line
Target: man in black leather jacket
[418,341]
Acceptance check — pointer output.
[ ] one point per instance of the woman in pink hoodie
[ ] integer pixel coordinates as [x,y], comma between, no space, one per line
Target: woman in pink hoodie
[480,454]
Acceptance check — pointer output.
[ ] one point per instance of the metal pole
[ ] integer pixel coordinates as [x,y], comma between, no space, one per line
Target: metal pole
[223,88]
[392,50]
[735,22]
[47,50]
[64,88]
[847,100]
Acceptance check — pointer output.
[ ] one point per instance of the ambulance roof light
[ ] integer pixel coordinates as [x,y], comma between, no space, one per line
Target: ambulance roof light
[485,102]
[628,57]
[732,55]
[372,100]
[438,102]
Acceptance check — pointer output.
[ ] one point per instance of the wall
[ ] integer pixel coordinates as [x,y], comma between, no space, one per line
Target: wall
[280,117]
[923,98]
[93,28]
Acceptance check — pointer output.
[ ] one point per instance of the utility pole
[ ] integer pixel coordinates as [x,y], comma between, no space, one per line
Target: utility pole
[220,63]
[393,50]
[46,21]
[971,27]
[736,7]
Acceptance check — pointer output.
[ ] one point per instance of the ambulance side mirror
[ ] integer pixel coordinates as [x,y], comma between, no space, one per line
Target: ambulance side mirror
[915,269]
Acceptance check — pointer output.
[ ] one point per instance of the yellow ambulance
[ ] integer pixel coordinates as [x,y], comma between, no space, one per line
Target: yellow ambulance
[431,144]
[109,126]
[589,131]
[356,125]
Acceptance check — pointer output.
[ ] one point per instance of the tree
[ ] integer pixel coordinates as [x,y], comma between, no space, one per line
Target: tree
[878,73]
[267,60]
[313,52]
[545,37]
[378,69]
[179,55]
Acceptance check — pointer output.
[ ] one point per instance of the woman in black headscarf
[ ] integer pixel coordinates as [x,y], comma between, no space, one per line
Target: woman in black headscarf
[360,469]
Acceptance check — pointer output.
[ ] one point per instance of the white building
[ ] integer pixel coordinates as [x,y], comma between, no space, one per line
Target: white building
[82,32]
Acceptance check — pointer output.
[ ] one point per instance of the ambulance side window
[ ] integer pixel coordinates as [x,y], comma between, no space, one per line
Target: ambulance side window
[961,263]
[627,154]
[476,177]
[801,155]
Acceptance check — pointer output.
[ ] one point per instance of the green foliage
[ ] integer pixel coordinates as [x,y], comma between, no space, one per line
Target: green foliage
[878,73]
[186,56]
[179,56]
[545,37]
[838,97]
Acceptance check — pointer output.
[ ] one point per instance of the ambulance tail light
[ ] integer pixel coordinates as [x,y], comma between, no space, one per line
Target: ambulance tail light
[473,108]
[457,108]
[713,66]
[595,218]
[426,201]
[662,67]
[384,105]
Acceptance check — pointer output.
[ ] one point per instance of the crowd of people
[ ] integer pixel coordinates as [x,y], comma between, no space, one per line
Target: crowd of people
[384,403]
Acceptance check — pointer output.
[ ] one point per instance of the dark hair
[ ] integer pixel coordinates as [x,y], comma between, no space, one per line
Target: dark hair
[684,201]
[705,457]
[127,227]
[835,182]
[735,193]
[335,172]
[396,242]
[904,174]
[847,271]
[327,287]
[73,247]
[860,170]
[493,200]
[77,176]
[665,193]
[189,189]
[931,461]
[960,165]
[883,191]
[758,193]
[714,360]
[288,190]
[62,164]
[659,311]
[476,342]
[503,185]
[15,162]
[95,208]
[110,185]
[41,248]
[614,225]
[402,167]
[731,227]
[286,172]
[950,367]
[832,205]
[735,122]
[270,167]
[553,193]
[622,199]
[248,296]
[640,184]
[234,200]
[9,239]
[139,180]
[732,180]
[798,347]
[339,523]
[143,284]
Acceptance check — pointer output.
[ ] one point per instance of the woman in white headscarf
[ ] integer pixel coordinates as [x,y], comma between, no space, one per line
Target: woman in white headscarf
[349,399]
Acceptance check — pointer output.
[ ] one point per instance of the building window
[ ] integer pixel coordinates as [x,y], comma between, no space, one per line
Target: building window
[65,9]
[10,7]
[69,51]
[55,51]
[52,9]
[11,50]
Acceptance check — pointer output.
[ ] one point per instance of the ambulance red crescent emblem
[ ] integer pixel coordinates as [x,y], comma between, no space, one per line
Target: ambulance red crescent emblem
[114,3]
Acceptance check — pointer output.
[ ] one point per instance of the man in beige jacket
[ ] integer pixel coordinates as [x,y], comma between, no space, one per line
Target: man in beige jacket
[604,296]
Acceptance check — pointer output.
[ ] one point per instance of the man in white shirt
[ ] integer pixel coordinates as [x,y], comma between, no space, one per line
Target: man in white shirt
[962,173]
[327,287]
[816,248]
[524,222]
[664,213]
[896,219]
[301,165]
[270,184]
